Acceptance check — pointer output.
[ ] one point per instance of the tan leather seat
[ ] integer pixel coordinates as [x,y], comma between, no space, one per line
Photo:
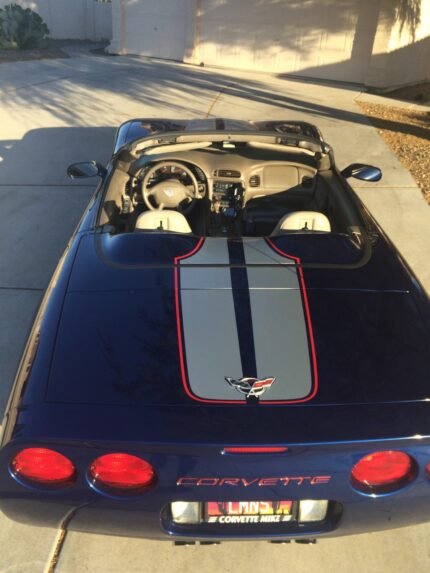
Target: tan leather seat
[165,220]
[303,221]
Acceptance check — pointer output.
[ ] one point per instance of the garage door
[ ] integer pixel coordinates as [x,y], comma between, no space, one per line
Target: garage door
[320,39]
[158,29]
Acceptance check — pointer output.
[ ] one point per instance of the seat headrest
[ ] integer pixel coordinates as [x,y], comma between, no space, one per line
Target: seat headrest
[165,220]
[303,221]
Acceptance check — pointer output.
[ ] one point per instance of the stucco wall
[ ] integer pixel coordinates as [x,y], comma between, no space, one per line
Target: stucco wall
[317,38]
[72,19]
[401,50]
[407,65]
[363,41]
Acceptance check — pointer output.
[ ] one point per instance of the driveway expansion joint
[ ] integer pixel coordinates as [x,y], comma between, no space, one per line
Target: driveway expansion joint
[29,289]
[217,97]
[35,84]
[54,556]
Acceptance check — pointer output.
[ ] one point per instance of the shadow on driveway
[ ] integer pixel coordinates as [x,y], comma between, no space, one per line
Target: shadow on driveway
[40,210]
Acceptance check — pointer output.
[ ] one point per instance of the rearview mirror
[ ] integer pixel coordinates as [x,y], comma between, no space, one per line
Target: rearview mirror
[363,172]
[86,169]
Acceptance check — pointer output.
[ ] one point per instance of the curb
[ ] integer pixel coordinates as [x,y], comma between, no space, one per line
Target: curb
[383,100]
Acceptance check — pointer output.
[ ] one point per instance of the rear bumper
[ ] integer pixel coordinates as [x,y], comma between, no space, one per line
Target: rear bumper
[203,474]
[131,519]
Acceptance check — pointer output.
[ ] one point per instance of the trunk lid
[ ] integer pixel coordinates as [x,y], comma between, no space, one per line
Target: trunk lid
[166,321]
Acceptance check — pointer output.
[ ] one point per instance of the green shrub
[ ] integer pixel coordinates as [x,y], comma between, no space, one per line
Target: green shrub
[21,28]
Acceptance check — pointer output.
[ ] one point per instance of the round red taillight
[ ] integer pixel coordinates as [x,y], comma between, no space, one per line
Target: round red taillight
[43,466]
[121,472]
[383,472]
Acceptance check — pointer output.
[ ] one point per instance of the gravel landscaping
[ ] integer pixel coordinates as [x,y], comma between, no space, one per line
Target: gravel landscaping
[407,132]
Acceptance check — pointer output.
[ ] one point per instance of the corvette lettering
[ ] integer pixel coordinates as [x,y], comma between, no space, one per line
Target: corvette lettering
[261,482]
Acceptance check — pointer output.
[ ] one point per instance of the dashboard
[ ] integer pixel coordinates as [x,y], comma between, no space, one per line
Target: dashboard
[229,176]
[228,179]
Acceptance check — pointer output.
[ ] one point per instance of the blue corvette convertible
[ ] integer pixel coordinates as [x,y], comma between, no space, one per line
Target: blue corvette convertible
[230,348]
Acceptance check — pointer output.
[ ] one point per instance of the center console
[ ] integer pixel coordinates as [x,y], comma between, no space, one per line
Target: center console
[227,198]
[226,207]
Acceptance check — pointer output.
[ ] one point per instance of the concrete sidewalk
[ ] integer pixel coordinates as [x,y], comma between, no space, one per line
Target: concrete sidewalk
[55,112]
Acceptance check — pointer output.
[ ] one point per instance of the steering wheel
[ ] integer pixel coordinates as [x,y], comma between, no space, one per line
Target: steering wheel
[170,193]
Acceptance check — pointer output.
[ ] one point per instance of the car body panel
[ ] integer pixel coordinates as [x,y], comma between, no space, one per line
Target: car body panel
[386,346]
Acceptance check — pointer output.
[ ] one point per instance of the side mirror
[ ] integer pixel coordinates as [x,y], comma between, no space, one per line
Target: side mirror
[86,169]
[363,172]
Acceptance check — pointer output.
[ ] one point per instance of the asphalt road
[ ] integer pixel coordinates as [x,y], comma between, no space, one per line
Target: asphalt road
[56,112]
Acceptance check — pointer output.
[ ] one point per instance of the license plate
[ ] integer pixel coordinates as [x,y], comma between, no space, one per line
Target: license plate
[234,512]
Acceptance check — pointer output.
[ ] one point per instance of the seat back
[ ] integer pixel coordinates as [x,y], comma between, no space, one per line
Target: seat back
[303,221]
[165,220]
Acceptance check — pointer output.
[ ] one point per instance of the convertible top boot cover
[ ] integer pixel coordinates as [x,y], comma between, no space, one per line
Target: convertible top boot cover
[194,312]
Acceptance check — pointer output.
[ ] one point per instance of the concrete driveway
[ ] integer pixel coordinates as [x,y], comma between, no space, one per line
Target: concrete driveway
[56,112]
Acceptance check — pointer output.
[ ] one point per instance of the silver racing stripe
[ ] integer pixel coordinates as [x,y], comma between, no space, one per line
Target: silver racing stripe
[209,323]
[213,252]
[279,323]
[210,331]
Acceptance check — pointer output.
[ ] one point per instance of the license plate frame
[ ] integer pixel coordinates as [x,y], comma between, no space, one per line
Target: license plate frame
[249,512]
